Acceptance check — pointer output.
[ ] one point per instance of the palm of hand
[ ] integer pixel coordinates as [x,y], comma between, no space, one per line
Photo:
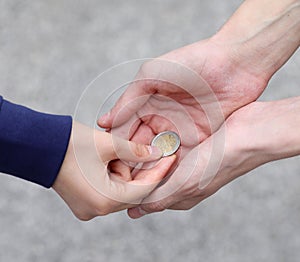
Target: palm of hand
[177,99]
[175,110]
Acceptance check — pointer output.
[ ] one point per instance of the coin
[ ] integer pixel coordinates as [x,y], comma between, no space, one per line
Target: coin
[168,142]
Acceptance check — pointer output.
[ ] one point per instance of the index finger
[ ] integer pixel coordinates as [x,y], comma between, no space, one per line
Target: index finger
[136,95]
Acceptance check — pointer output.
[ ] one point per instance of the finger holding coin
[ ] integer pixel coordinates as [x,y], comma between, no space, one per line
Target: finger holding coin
[168,142]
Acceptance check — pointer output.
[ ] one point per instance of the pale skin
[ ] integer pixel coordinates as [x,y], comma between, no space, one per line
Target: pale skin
[268,142]
[237,63]
[88,155]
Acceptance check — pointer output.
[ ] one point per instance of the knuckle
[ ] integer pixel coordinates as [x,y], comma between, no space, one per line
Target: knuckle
[140,151]
[206,192]
[203,192]
[154,207]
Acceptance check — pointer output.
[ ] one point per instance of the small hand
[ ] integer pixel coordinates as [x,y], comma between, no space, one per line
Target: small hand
[90,189]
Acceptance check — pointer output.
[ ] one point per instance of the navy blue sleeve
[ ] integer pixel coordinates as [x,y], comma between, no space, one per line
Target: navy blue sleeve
[32,144]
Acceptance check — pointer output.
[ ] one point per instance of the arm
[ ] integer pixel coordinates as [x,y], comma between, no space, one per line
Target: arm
[32,144]
[263,34]
[76,161]
[236,63]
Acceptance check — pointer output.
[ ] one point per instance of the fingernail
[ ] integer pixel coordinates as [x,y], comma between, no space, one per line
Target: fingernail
[154,151]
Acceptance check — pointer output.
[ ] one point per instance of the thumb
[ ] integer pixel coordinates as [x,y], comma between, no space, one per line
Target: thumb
[146,181]
[133,152]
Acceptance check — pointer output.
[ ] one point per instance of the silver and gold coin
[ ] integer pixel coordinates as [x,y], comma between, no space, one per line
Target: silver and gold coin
[168,142]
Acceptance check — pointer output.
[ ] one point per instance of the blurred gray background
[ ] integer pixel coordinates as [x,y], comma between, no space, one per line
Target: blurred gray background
[49,52]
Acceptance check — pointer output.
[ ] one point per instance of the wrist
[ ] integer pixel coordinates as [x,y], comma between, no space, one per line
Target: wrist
[260,44]
[263,132]
[283,140]
[32,144]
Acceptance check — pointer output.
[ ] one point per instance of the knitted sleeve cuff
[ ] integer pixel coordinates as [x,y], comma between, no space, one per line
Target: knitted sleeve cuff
[32,144]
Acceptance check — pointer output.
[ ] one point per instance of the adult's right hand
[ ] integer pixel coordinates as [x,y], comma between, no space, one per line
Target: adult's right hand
[255,134]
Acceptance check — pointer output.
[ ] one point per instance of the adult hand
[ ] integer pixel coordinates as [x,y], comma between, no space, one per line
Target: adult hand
[90,189]
[168,95]
[189,108]
[255,134]
[197,86]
